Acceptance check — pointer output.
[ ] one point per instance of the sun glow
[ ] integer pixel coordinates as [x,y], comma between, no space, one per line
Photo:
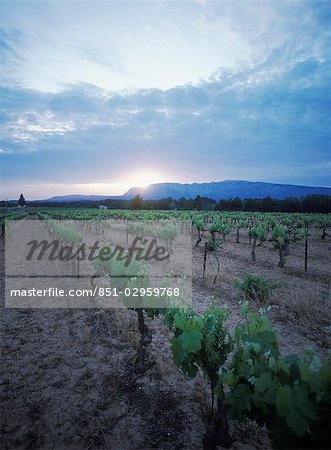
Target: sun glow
[143,179]
[140,179]
[119,186]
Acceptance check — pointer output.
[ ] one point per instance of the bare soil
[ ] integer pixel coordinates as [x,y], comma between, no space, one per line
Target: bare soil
[67,375]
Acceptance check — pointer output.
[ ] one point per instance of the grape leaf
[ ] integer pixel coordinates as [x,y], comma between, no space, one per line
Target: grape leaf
[191,341]
[284,400]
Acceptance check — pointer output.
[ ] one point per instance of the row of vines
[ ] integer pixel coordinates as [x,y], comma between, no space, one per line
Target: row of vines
[249,377]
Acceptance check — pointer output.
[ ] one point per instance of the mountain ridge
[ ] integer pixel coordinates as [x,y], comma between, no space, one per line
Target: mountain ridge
[225,189]
[215,190]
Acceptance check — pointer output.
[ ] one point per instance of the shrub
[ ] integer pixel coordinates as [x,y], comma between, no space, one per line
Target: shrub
[289,394]
[257,289]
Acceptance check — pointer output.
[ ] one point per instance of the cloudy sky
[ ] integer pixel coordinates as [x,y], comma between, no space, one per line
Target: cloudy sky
[98,96]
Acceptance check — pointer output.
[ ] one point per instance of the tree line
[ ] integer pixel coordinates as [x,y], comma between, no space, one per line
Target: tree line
[309,204]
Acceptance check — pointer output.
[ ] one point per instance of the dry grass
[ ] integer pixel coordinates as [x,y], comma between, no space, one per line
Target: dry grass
[308,309]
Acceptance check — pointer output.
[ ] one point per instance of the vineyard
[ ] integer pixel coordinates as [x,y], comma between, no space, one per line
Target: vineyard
[247,366]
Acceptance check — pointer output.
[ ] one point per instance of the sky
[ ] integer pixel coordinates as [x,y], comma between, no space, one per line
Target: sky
[99,96]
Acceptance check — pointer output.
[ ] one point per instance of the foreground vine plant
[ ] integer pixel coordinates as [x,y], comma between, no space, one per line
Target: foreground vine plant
[290,394]
[201,342]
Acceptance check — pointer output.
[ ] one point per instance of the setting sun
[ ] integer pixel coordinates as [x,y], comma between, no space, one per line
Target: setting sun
[141,179]
[121,185]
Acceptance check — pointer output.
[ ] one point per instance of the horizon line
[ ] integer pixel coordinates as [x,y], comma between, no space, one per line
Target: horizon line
[118,196]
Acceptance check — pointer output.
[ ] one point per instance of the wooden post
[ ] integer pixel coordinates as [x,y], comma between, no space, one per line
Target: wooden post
[306,249]
[204,260]
[78,264]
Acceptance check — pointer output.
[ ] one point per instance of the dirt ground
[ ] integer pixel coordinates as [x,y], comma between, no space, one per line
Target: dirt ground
[67,378]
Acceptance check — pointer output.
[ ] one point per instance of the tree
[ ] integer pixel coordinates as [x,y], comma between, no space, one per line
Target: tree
[222,205]
[269,204]
[252,204]
[236,204]
[290,204]
[136,202]
[182,203]
[166,203]
[21,201]
[198,203]
[316,203]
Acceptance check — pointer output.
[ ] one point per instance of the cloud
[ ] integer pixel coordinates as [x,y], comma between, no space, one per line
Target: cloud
[211,131]
[121,46]
[263,113]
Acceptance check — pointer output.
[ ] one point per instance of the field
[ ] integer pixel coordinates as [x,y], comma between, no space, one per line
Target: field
[69,378]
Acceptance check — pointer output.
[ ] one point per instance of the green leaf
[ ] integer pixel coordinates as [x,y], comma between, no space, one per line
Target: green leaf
[191,341]
[178,354]
[241,390]
[305,373]
[180,322]
[315,365]
[272,362]
[256,347]
[244,308]
[263,383]
[284,400]
[303,402]
[297,422]
[229,377]
[283,365]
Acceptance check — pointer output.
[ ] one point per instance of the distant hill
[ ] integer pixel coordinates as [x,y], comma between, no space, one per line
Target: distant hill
[224,189]
[79,198]
[214,190]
